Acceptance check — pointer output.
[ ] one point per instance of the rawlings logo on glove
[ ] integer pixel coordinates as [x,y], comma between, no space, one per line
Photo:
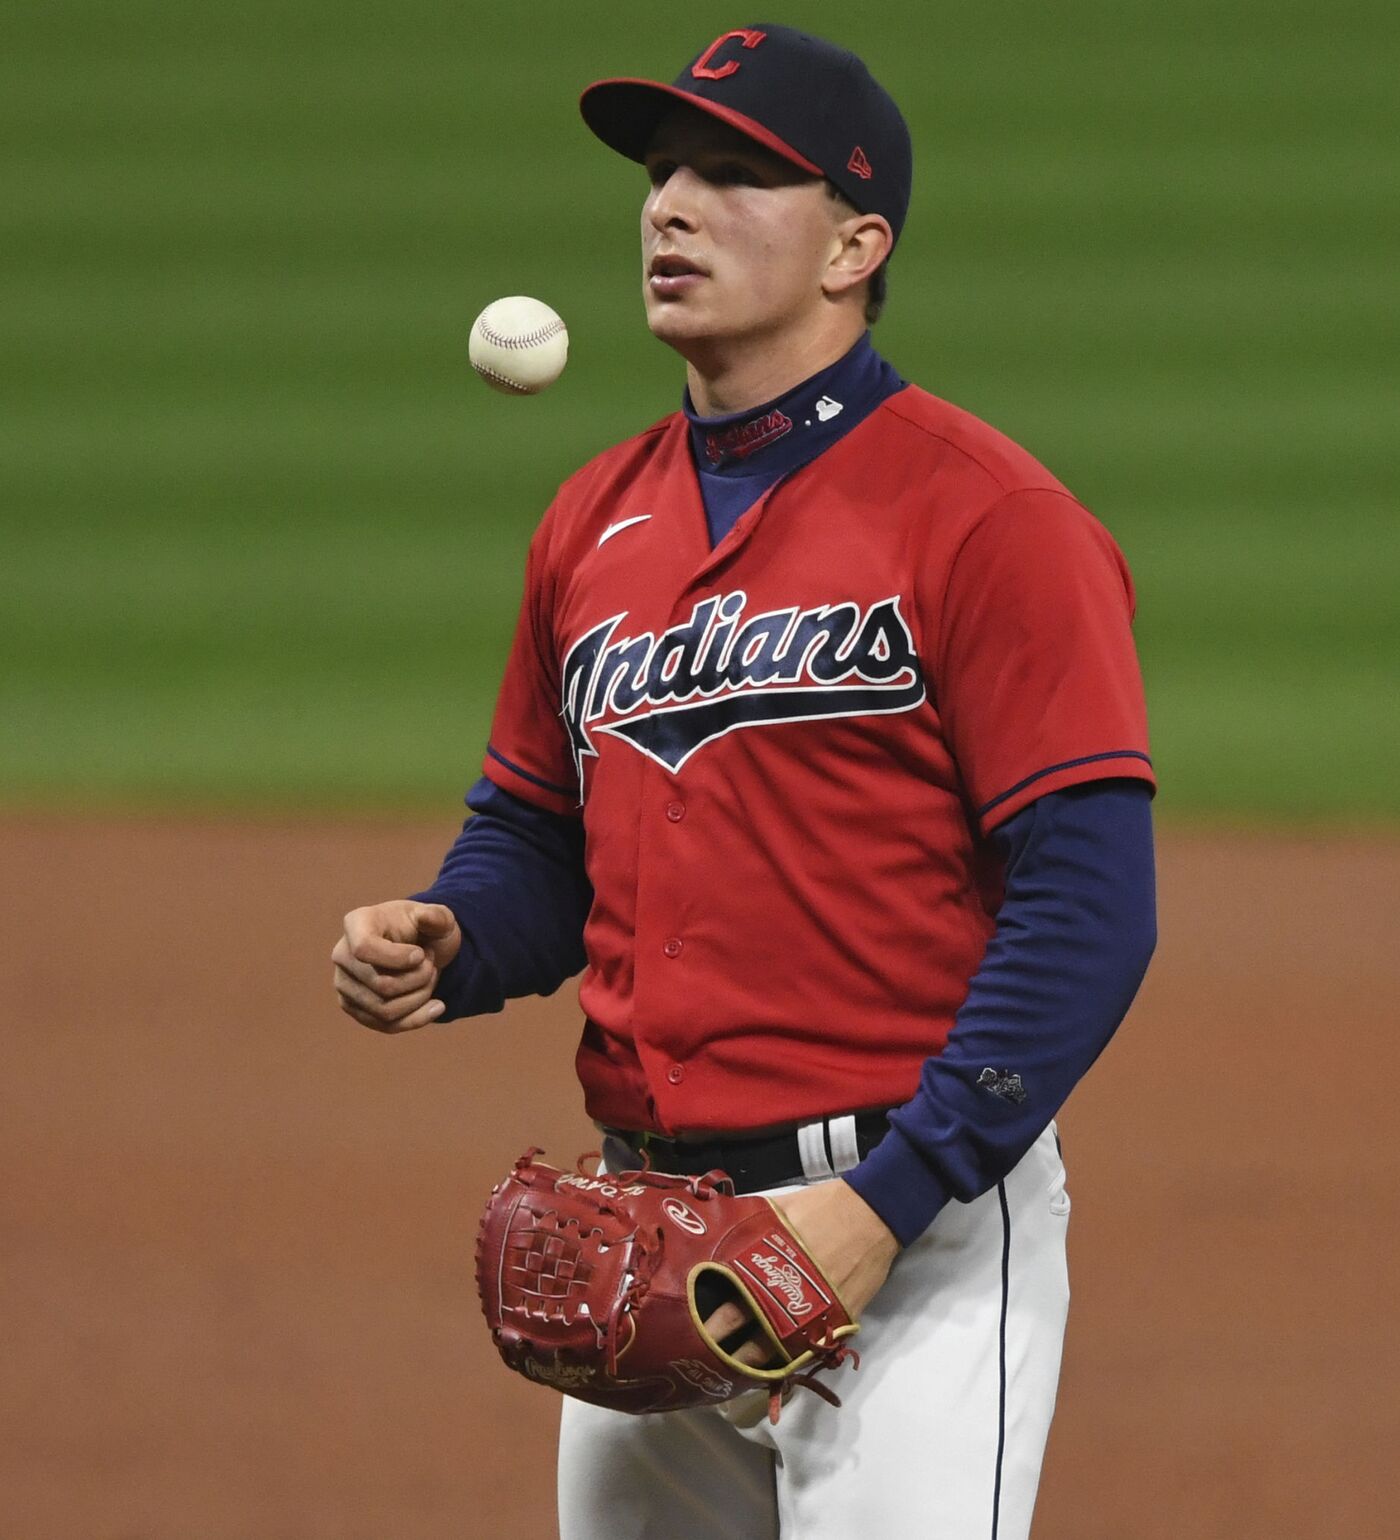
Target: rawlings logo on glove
[600,1287]
[782,1278]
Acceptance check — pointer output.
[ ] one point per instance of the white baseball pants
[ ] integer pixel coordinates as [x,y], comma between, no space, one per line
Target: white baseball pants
[942,1428]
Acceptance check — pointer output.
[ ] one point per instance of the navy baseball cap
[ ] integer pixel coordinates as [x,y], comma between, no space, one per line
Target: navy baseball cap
[807,100]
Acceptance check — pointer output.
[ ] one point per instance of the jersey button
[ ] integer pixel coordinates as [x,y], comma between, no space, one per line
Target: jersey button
[675,811]
[673,946]
[675,1074]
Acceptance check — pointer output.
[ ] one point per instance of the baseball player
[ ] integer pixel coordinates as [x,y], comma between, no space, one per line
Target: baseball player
[821,750]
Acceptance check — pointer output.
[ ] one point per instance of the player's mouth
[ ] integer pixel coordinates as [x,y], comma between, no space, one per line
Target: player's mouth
[669,275]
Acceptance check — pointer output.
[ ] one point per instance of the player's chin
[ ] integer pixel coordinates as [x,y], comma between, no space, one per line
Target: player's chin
[679,319]
[694,337]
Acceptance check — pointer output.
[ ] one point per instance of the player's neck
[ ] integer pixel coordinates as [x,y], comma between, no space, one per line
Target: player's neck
[736,375]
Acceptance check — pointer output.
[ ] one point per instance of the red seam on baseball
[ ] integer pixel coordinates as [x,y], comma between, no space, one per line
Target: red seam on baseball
[520,390]
[526,339]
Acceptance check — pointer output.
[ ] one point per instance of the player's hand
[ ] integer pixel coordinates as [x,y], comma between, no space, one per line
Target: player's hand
[853,1246]
[387,963]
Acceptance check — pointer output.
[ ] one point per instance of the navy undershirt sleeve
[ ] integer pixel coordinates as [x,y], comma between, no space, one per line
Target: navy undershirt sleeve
[514,879]
[1074,934]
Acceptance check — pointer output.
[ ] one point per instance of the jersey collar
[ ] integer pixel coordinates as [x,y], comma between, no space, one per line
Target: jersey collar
[777,437]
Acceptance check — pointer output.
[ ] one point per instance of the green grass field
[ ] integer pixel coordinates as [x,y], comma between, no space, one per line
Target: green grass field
[262,531]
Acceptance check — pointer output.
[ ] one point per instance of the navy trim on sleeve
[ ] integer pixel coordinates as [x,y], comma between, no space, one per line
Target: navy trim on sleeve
[534,780]
[1068,764]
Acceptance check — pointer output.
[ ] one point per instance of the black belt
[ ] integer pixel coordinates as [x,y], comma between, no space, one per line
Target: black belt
[770,1160]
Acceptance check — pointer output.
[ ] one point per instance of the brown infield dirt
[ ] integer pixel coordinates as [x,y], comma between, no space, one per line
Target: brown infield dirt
[236,1229]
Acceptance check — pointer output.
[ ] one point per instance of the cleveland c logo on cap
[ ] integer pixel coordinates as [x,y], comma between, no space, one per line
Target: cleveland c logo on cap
[701,68]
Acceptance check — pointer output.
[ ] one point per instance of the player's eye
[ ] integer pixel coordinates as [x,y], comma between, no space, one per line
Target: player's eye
[659,171]
[735,173]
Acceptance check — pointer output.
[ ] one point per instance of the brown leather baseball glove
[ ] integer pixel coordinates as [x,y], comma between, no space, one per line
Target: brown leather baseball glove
[600,1286]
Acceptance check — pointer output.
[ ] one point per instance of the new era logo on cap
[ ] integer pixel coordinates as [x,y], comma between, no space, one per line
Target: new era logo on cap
[860,165]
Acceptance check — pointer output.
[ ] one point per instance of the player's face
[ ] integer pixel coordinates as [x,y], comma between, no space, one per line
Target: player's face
[735,239]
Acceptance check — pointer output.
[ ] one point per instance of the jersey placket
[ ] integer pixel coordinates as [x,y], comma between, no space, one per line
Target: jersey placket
[676,880]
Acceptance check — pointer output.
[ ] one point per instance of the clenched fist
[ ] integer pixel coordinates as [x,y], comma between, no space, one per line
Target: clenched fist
[387,963]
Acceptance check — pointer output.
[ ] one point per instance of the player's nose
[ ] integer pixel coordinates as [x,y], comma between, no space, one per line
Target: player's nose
[675,203]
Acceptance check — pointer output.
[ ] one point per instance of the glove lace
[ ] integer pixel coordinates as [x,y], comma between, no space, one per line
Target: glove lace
[648,1244]
[830,1355]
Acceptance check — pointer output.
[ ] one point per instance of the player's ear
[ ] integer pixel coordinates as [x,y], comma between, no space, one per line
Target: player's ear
[860,243]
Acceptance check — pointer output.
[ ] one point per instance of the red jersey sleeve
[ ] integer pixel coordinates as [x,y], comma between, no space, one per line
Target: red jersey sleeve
[529,754]
[1036,676]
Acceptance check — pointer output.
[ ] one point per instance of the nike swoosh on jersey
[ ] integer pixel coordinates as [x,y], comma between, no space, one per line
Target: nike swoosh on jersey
[621,524]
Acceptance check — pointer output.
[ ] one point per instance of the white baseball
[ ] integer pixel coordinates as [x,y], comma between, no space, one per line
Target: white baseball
[518,345]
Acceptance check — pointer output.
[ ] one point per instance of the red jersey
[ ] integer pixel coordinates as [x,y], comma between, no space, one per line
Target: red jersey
[788,750]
